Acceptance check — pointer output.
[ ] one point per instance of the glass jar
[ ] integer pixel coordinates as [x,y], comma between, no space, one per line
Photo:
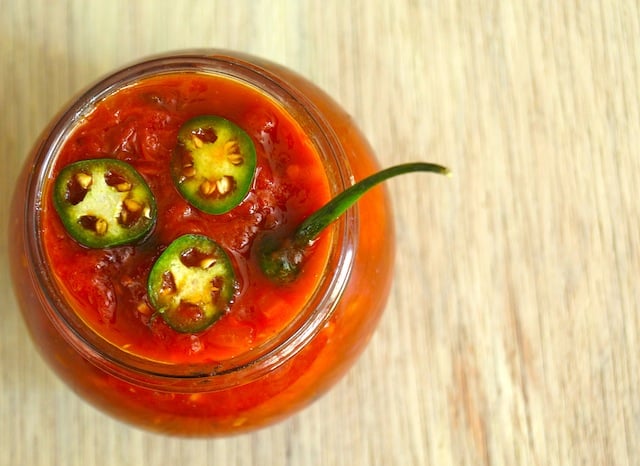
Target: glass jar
[269,382]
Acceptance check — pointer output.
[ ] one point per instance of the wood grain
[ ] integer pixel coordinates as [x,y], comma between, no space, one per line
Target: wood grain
[511,335]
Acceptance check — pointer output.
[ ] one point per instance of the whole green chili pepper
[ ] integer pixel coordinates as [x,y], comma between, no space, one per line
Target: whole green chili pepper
[281,260]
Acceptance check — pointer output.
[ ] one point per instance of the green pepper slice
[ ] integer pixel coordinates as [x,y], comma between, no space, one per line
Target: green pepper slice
[192,284]
[104,202]
[213,163]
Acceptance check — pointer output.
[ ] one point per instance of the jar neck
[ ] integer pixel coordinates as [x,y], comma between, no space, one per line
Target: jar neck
[272,353]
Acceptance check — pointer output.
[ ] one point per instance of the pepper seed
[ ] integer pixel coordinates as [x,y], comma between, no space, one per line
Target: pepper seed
[197,141]
[84,180]
[123,187]
[207,262]
[235,159]
[223,185]
[132,205]
[207,187]
[101,226]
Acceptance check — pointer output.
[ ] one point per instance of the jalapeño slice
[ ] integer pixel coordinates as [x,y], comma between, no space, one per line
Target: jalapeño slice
[192,283]
[104,202]
[213,163]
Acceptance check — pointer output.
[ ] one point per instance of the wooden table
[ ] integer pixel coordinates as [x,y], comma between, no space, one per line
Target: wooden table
[511,334]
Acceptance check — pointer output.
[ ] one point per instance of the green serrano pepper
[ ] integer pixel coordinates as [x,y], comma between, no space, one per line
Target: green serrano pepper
[281,260]
[192,284]
[213,163]
[104,203]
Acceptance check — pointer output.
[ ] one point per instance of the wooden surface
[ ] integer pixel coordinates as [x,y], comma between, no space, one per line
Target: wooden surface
[511,335]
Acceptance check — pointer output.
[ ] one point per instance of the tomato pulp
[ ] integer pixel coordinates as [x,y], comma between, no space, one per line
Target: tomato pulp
[279,346]
[139,125]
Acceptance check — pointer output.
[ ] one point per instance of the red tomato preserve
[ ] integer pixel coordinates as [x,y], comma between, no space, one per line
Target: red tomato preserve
[275,346]
[139,124]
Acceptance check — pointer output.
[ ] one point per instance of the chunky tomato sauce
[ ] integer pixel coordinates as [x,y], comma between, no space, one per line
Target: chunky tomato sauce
[139,125]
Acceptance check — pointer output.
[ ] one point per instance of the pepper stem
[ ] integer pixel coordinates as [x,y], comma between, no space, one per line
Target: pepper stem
[281,260]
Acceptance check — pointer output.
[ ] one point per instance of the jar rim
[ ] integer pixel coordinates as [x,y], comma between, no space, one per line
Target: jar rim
[275,351]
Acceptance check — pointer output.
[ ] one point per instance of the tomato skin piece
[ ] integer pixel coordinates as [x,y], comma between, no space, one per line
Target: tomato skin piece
[192,284]
[213,164]
[104,203]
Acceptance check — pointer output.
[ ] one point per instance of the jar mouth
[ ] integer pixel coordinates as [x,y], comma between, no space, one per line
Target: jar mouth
[268,355]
